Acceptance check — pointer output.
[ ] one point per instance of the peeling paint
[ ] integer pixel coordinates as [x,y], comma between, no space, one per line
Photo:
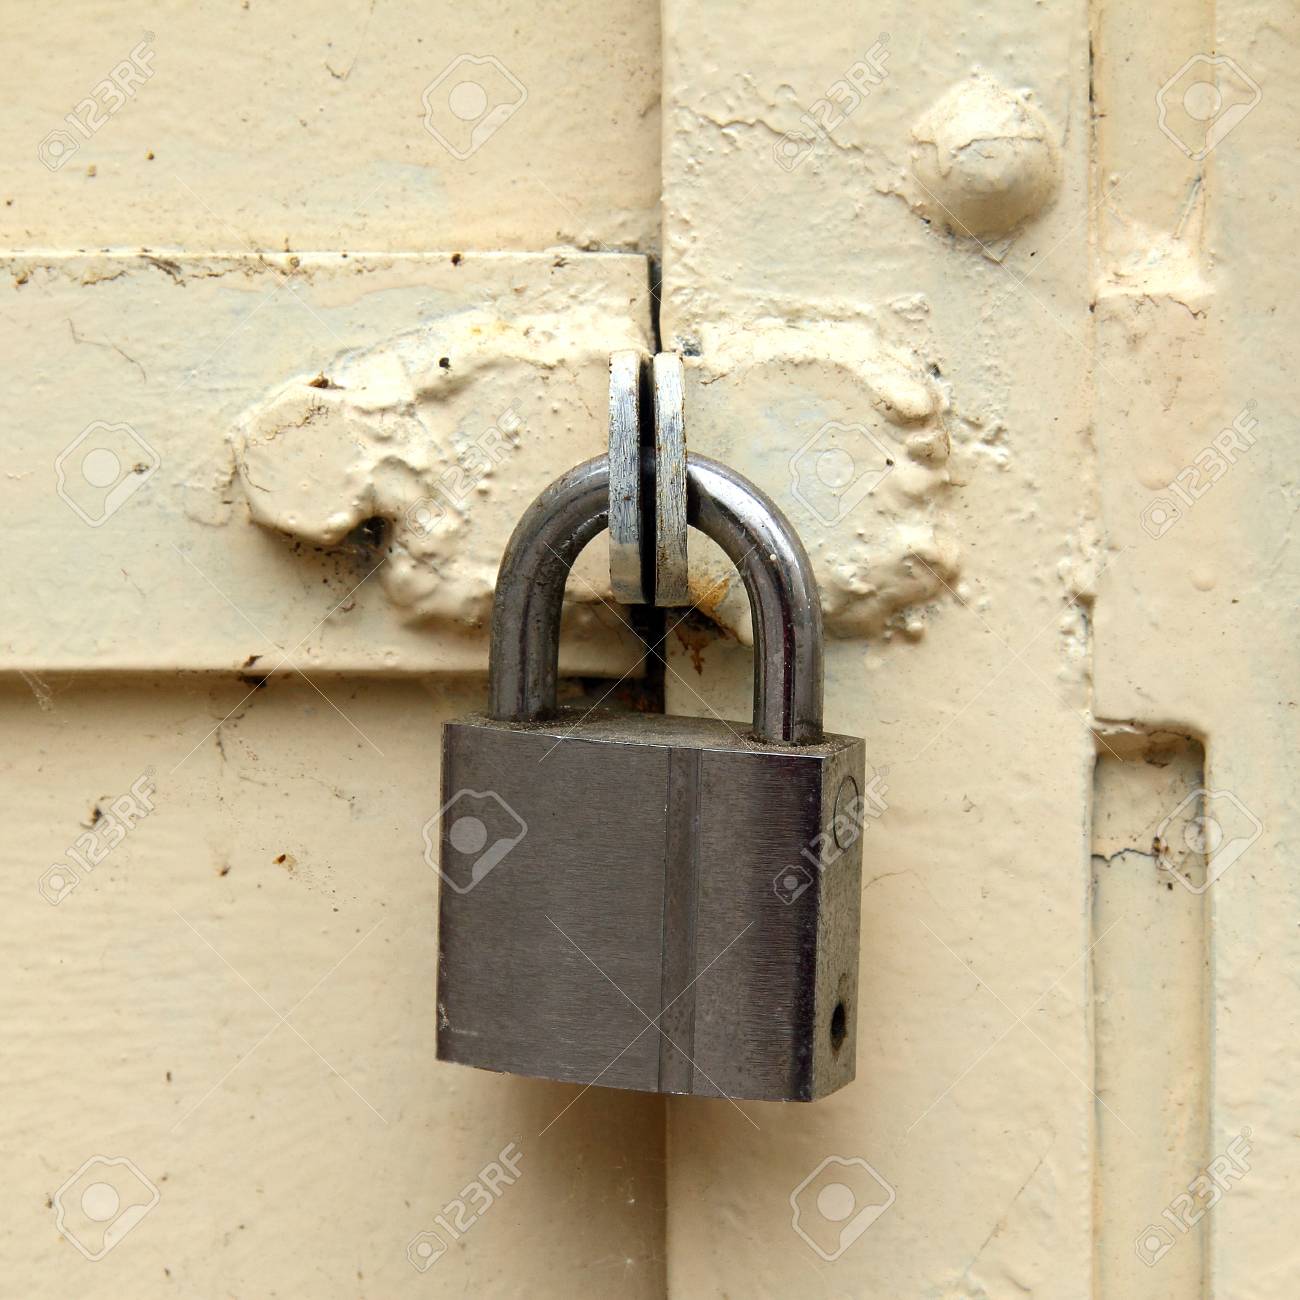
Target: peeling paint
[861,392]
[438,431]
[422,430]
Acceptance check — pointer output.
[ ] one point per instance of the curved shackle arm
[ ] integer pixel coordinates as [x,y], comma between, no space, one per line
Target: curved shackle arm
[756,537]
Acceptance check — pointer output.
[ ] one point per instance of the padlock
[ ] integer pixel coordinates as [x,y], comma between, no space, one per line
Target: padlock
[640,901]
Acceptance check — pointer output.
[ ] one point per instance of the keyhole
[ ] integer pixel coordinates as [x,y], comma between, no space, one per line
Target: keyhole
[839,1026]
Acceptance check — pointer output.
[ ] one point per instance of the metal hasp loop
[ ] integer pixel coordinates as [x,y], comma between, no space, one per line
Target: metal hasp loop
[783,599]
[648,563]
[672,507]
[629,575]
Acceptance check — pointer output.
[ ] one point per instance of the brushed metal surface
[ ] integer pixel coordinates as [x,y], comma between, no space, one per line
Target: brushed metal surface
[681,889]
[671,582]
[722,504]
[634,936]
[627,542]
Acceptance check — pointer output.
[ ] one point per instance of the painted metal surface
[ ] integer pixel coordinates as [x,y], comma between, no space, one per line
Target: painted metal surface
[974,280]
[383,421]
[234,1005]
[991,302]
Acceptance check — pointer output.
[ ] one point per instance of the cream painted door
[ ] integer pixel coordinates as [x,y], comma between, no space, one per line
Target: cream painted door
[303,305]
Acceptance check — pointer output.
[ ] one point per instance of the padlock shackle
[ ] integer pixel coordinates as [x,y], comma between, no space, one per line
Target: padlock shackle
[778,576]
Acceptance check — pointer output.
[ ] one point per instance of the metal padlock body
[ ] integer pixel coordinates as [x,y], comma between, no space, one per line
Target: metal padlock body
[660,903]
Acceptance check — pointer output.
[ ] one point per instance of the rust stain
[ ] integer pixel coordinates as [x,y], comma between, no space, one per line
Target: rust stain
[693,641]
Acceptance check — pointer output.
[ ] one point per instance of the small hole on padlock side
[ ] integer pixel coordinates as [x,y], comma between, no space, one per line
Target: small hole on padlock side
[839,1026]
